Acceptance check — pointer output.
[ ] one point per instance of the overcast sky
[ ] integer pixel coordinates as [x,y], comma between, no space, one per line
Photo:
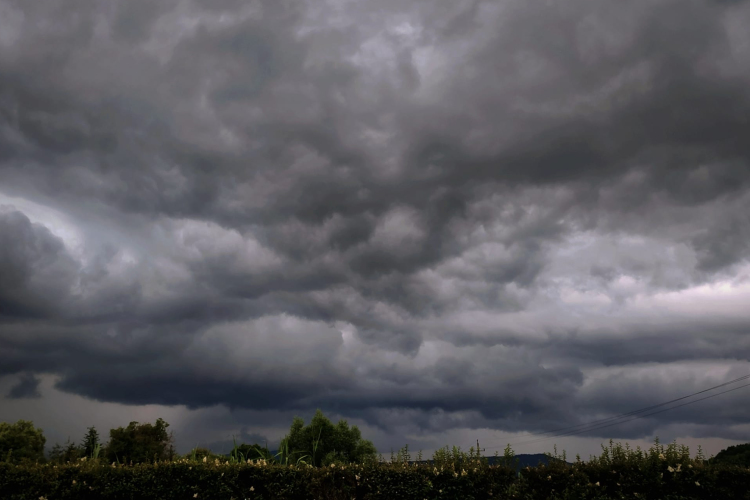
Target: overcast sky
[440,220]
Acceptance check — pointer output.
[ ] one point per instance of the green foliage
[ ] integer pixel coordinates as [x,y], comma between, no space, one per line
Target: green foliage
[90,448]
[186,479]
[661,473]
[555,457]
[140,443]
[21,441]
[616,455]
[322,443]
[198,454]
[245,452]
[64,454]
[258,453]
[734,455]
[509,458]
[284,456]
[455,459]
[90,444]
[323,460]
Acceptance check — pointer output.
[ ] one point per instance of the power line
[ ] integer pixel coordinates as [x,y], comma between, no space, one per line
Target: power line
[634,418]
[632,413]
[638,411]
[647,408]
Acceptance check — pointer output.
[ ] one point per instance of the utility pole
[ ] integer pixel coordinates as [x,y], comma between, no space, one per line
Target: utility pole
[478,448]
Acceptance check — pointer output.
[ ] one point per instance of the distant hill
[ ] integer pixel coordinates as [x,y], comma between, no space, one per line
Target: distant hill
[524,460]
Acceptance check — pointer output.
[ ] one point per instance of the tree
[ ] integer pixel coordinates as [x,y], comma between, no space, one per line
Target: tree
[90,442]
[56,453]
[21,441]
[734,455]
[69,453]
[323,443]
[140,443]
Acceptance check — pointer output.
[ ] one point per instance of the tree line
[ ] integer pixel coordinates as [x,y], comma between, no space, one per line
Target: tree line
[318,443]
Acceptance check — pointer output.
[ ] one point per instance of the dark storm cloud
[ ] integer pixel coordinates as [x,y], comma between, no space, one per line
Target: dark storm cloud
[661,345]
[35,269]
[459,207]
[27,387]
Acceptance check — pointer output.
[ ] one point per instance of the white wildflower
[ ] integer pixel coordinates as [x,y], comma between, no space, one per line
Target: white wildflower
[597,483]
[697,483]
[252,488]
[670,469]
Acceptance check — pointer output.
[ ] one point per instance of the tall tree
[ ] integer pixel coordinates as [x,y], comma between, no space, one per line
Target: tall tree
[140,443]
[21,441]
[90,442]
[324,443]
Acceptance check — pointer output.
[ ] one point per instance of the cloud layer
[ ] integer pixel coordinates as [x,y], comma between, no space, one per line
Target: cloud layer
[502,215]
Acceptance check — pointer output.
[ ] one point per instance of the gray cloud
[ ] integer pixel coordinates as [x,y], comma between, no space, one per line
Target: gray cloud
[27,387]
[34,268]
[475,214]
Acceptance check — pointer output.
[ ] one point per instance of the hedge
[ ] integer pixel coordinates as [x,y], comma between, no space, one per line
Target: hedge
[184,479]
